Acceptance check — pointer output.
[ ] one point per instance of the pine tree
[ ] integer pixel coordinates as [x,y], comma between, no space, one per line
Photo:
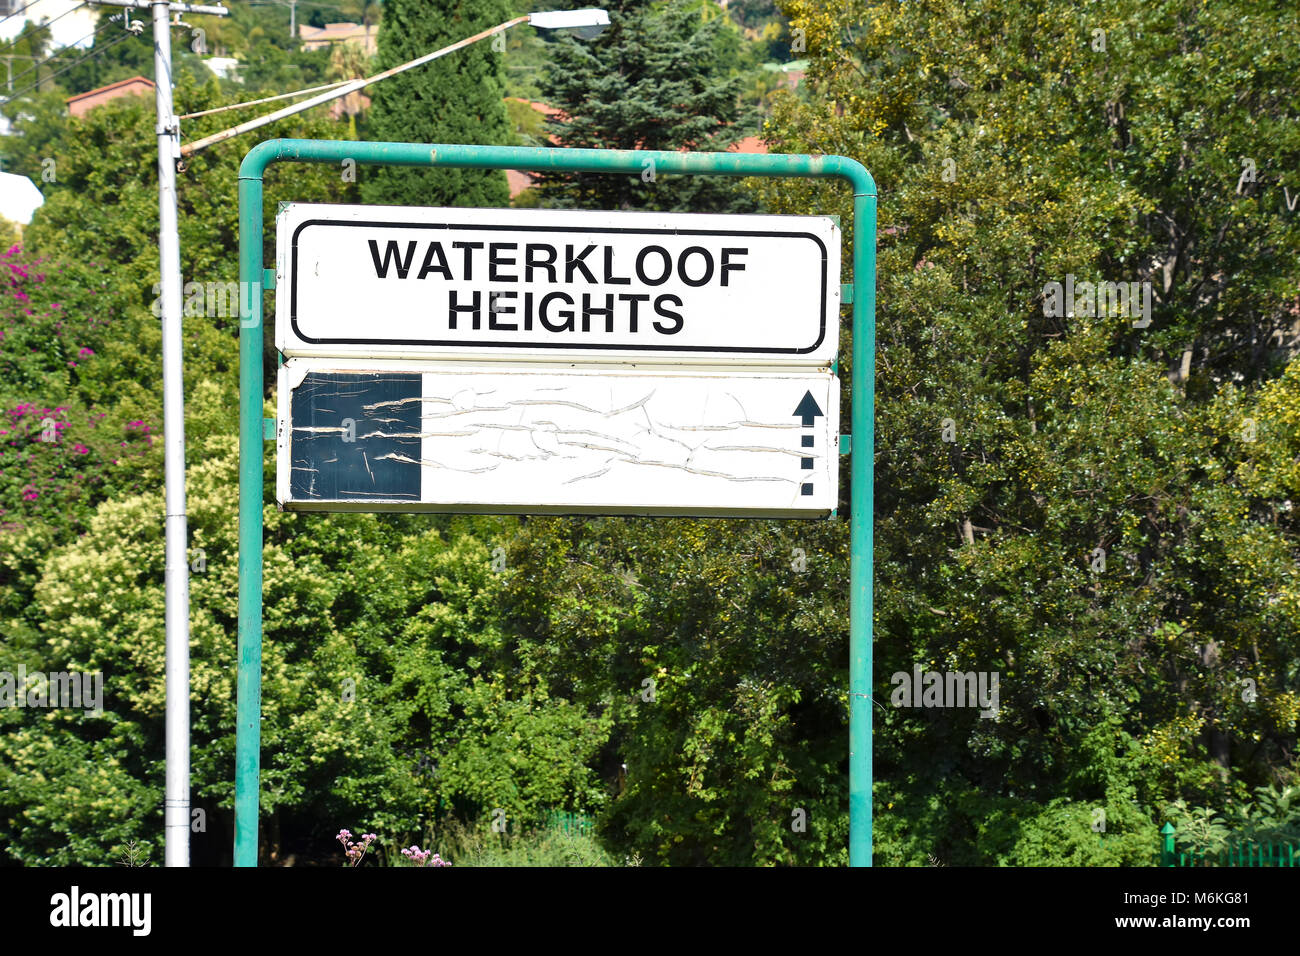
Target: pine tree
[657,78]
[454,99]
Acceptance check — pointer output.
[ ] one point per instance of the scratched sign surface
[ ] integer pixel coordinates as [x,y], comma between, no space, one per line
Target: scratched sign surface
[492,439]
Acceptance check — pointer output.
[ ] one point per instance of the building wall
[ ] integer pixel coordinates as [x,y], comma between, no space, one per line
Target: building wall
[354,34]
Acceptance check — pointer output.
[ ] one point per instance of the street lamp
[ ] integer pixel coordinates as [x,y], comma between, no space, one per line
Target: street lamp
[587,23]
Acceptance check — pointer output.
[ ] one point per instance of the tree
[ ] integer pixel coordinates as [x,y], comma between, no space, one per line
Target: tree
[659,78]
[386,705]
[1062,497]
[447,720]
[454,99]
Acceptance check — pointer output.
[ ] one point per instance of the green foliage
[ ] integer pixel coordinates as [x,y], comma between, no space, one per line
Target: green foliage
[529,124]
[1271,815]
[684,681]
[383,705]
[535,846]
[455,99]
[999,172]
[721,666]
[660,77]
[102,208]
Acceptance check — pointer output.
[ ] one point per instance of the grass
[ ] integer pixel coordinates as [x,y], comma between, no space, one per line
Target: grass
[542,846]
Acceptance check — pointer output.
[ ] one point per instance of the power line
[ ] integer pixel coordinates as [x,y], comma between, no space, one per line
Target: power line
[63,50]
[301,3]
[268,99]
[43,25]
[22,9]
[354,85]
[90,55]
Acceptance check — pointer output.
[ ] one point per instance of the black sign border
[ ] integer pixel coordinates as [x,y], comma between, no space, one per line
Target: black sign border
[569,346]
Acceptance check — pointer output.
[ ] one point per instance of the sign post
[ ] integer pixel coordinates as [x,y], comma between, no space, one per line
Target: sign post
[516,361]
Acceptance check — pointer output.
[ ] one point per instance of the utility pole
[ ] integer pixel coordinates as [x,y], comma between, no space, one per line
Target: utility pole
[177,579]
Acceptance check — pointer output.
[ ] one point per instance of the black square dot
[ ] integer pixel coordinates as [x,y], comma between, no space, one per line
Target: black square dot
[807,441]
[806,463]
[805,489]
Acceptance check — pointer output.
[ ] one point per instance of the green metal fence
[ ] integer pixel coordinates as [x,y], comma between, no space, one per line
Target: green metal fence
[1243,853]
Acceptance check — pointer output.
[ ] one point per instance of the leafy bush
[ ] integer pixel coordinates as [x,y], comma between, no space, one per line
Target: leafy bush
[537,846]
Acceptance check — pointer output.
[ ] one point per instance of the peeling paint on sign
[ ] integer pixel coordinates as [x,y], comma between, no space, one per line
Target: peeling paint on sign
[582,440]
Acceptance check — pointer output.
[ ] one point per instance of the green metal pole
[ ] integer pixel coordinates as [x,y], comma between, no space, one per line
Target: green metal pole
[628,162]
[248,716]
[862,506]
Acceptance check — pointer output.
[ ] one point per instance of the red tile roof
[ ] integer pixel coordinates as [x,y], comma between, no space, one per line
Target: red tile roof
[111,86]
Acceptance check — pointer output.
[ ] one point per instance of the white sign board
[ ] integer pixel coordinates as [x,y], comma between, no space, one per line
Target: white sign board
[428,284]
[463,437]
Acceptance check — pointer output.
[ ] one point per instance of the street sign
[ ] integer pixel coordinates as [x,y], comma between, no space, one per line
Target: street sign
[557,285]
[252,431]
[460,437]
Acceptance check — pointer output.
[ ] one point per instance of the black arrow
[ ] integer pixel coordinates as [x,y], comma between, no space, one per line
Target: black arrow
[809,409]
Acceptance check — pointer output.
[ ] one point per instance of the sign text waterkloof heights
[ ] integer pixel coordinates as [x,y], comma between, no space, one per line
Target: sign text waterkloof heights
[454,281]
[557,361]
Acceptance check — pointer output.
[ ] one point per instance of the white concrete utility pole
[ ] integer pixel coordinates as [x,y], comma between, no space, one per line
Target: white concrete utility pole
[177,800]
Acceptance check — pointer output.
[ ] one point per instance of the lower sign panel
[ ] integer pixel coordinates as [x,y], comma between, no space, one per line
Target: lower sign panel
[582,441]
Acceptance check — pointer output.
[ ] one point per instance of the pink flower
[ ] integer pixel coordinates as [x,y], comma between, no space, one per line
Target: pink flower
[80,449]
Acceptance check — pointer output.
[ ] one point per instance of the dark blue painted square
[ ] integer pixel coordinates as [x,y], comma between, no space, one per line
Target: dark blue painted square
[385,410]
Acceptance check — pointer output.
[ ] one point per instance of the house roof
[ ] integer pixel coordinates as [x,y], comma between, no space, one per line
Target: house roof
[749,144]
[112,86]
